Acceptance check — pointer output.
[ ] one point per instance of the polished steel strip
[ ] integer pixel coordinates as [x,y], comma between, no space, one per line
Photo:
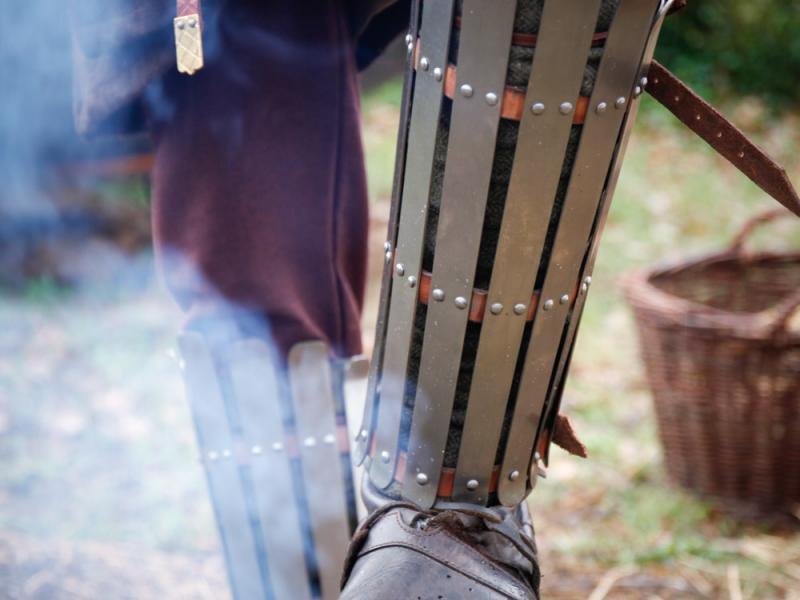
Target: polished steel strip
[435,30]
[558,65]
[217,447]
[483,53]
[312,393]
[577,312]
[616,78]
[257,392]
[363,436]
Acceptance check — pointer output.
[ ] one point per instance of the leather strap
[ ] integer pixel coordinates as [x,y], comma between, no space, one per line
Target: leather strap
[528,40]
[184,8]
[513,104]
[724,137]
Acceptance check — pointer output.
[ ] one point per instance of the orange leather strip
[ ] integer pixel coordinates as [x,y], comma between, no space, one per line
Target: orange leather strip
[513,104]
[528,40]
[446,479]
[477,305]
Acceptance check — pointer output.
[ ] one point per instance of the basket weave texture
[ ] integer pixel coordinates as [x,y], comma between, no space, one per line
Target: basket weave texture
[721,348]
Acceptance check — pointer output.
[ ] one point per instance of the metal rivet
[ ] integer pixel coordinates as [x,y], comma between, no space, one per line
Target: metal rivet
[387,246]
[643,81]
[549,304]
[537,456]
[400,269]
[437,74]
[588,280]
[256,450]
[719,134]
[740,155]
[226,454]
[466,90]
[584,288]
[412,281]
[601,108]
[422,479]
[329,439]
[537,108]
[410,47]
[620,102]
[423,62]
[461,302]
[277,447]
[212,455]
[496,308]
[637,91]
[310,442]
[181,25]
[409,38]
[192,23]
[565,108]
[472,484]
[564,299]
[514,475]
[698,117]
[388,256]
[491,98]
[519,308]
[385,456]
[363,434]
[438,294]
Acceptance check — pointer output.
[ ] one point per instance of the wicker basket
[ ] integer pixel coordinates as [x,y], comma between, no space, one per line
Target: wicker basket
[721,348]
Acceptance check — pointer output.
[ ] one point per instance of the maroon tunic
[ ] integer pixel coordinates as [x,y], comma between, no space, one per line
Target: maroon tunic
[259,179]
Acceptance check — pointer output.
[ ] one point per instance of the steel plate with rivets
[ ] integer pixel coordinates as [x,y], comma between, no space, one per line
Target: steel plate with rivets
[363,437]
[616,78]
[312,384]
[608,194]
[484,45]
[216,445]
[434,42]
[560,58]
[256,389]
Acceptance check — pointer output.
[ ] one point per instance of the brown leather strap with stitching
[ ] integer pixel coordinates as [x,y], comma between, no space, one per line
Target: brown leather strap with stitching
[724,137]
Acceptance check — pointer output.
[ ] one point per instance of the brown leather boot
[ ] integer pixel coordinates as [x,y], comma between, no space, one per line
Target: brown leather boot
[403,552]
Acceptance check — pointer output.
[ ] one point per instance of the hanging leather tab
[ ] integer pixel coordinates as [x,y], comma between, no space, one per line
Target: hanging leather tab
[724,137]
[188,26]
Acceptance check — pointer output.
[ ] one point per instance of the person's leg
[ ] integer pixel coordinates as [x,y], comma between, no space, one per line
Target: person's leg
[258,184]
[517,126]
[260,221]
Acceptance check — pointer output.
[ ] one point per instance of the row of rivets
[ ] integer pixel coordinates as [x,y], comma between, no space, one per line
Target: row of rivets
[192,23]
[566,108]
[425,64]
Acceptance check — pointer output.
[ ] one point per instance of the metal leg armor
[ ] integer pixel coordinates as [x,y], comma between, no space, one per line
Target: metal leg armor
[275,450]
[516,119]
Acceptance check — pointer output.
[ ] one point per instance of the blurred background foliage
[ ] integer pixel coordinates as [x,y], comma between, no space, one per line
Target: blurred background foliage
[727,48]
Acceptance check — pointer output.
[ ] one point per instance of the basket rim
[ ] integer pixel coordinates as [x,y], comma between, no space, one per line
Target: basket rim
[641,293]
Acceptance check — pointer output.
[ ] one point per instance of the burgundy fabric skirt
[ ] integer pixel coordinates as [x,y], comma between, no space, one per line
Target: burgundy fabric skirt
[259,193]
